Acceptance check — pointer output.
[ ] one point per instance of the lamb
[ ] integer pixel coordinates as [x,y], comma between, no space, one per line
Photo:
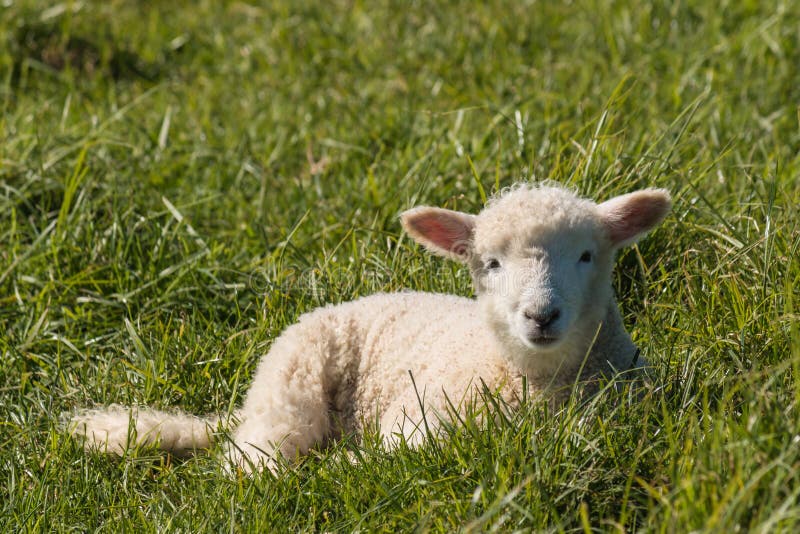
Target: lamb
[545,316]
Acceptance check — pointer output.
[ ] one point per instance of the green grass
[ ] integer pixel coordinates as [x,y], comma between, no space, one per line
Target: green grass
[178,183]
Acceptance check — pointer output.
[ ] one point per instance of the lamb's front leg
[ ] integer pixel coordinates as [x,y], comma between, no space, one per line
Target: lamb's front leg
[412,421]
[286,410]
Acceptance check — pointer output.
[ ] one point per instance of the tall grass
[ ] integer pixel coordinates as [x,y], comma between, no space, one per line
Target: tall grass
[179,182]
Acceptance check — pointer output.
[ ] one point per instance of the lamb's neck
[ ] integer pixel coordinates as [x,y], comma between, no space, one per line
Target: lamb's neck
[612,350]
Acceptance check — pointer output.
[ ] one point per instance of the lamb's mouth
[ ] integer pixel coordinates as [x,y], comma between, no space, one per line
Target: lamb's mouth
[542,341]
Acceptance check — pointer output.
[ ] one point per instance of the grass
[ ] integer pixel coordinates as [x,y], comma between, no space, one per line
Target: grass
[178,183]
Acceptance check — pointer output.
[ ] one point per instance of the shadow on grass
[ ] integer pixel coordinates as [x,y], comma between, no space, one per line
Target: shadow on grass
[45,45]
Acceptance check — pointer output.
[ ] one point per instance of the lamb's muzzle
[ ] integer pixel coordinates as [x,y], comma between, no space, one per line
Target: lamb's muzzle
[541,320]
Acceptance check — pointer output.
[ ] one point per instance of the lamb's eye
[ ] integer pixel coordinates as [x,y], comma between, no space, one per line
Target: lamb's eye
[586,257]
[492,264]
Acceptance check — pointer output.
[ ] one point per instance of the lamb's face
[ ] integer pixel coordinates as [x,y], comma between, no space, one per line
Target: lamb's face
[541,258]
[541,263]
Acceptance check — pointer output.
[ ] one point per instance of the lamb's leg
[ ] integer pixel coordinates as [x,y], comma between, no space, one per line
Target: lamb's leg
[406,422]
[286,410]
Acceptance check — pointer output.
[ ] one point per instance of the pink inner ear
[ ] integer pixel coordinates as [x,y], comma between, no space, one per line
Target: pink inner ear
[629,216]
[442,233]
[442,229]
[627,223]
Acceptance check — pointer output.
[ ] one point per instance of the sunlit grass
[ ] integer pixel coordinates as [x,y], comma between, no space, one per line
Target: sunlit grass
[178,184]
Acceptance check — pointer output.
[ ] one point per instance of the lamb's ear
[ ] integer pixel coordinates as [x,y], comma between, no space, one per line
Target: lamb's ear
[444,232]
[629,217]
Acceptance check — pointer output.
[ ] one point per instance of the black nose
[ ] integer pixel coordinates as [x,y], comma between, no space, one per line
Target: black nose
[543,320]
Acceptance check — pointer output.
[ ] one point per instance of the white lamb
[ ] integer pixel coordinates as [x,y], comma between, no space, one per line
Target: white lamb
[541,260]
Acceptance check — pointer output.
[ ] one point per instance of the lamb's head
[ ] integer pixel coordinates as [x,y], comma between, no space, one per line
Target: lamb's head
[541,257]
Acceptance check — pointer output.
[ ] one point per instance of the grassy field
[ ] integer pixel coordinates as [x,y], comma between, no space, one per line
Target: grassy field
[178,183]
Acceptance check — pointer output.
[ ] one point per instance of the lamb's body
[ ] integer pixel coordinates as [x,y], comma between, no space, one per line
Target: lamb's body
[343,365]
[340,366]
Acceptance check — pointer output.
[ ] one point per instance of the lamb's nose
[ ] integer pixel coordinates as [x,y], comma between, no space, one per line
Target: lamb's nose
[543,319]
